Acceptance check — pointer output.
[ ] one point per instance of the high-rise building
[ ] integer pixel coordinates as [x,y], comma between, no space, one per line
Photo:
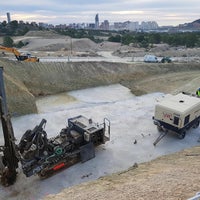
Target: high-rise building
[97,21]
[105,25]
[8,17]
[133,26]
[149,25]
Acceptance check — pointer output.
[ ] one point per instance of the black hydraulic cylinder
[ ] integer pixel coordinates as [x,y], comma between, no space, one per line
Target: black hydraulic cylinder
[2,93]
[10,159]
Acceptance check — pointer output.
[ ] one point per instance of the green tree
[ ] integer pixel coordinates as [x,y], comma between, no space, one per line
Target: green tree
[8,41]
[116,38]
[14,24]
[155,38]
[140,38]
[190,40]
[4,23]
[20,44]
[144,44]
[127,39]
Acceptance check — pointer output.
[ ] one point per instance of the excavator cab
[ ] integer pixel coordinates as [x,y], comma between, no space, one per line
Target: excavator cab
[27,58]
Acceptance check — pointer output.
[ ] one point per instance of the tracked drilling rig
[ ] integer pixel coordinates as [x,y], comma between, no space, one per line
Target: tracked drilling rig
[43,156]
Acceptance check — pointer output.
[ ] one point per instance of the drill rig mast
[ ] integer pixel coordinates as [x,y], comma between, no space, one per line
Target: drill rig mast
[8,160]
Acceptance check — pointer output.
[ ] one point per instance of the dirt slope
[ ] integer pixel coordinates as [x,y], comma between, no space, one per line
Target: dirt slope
[173,177]
[27,81]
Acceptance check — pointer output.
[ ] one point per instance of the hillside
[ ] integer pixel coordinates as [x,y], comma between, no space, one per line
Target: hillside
[195,24]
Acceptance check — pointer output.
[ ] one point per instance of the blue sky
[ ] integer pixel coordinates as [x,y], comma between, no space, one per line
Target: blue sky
[170,12]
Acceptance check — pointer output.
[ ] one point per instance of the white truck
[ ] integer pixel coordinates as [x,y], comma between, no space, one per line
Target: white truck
[177,113]
[150,59]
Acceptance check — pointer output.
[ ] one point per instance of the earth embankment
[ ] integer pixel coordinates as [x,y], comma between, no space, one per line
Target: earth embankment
[169,177]
[27,81]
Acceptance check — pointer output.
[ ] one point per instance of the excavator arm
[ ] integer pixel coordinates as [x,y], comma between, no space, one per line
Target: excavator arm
[8,153]
[11,50]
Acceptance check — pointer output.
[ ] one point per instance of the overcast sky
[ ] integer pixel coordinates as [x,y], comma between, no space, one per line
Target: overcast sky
[164,12]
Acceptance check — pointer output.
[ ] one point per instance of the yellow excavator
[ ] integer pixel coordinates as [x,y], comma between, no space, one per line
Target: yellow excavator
[26,58]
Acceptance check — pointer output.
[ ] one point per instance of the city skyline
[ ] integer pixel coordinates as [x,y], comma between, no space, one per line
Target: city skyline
[75,11]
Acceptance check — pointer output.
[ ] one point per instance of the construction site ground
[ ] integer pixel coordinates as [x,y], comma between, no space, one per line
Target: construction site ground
[170,177]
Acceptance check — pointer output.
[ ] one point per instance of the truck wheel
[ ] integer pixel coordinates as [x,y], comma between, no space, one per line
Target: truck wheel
[159,128]
[182,134]
[196,125]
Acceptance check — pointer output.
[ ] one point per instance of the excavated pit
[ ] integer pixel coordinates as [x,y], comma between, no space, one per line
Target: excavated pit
[27,81]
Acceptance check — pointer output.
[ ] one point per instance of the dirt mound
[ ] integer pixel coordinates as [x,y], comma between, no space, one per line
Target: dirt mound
[44,44]
[169,177]
[51,42]
[60,43]
[44,34]
[109,46]
[83,44]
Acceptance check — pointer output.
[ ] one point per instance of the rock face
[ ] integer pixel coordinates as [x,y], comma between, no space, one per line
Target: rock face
[27,81]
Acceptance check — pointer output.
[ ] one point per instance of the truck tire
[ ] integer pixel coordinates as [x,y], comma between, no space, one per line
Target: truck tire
[159,128]
[182,134]
[196,124]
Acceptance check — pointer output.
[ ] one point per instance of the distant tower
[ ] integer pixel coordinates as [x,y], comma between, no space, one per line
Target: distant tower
[97,21]
[8,17]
